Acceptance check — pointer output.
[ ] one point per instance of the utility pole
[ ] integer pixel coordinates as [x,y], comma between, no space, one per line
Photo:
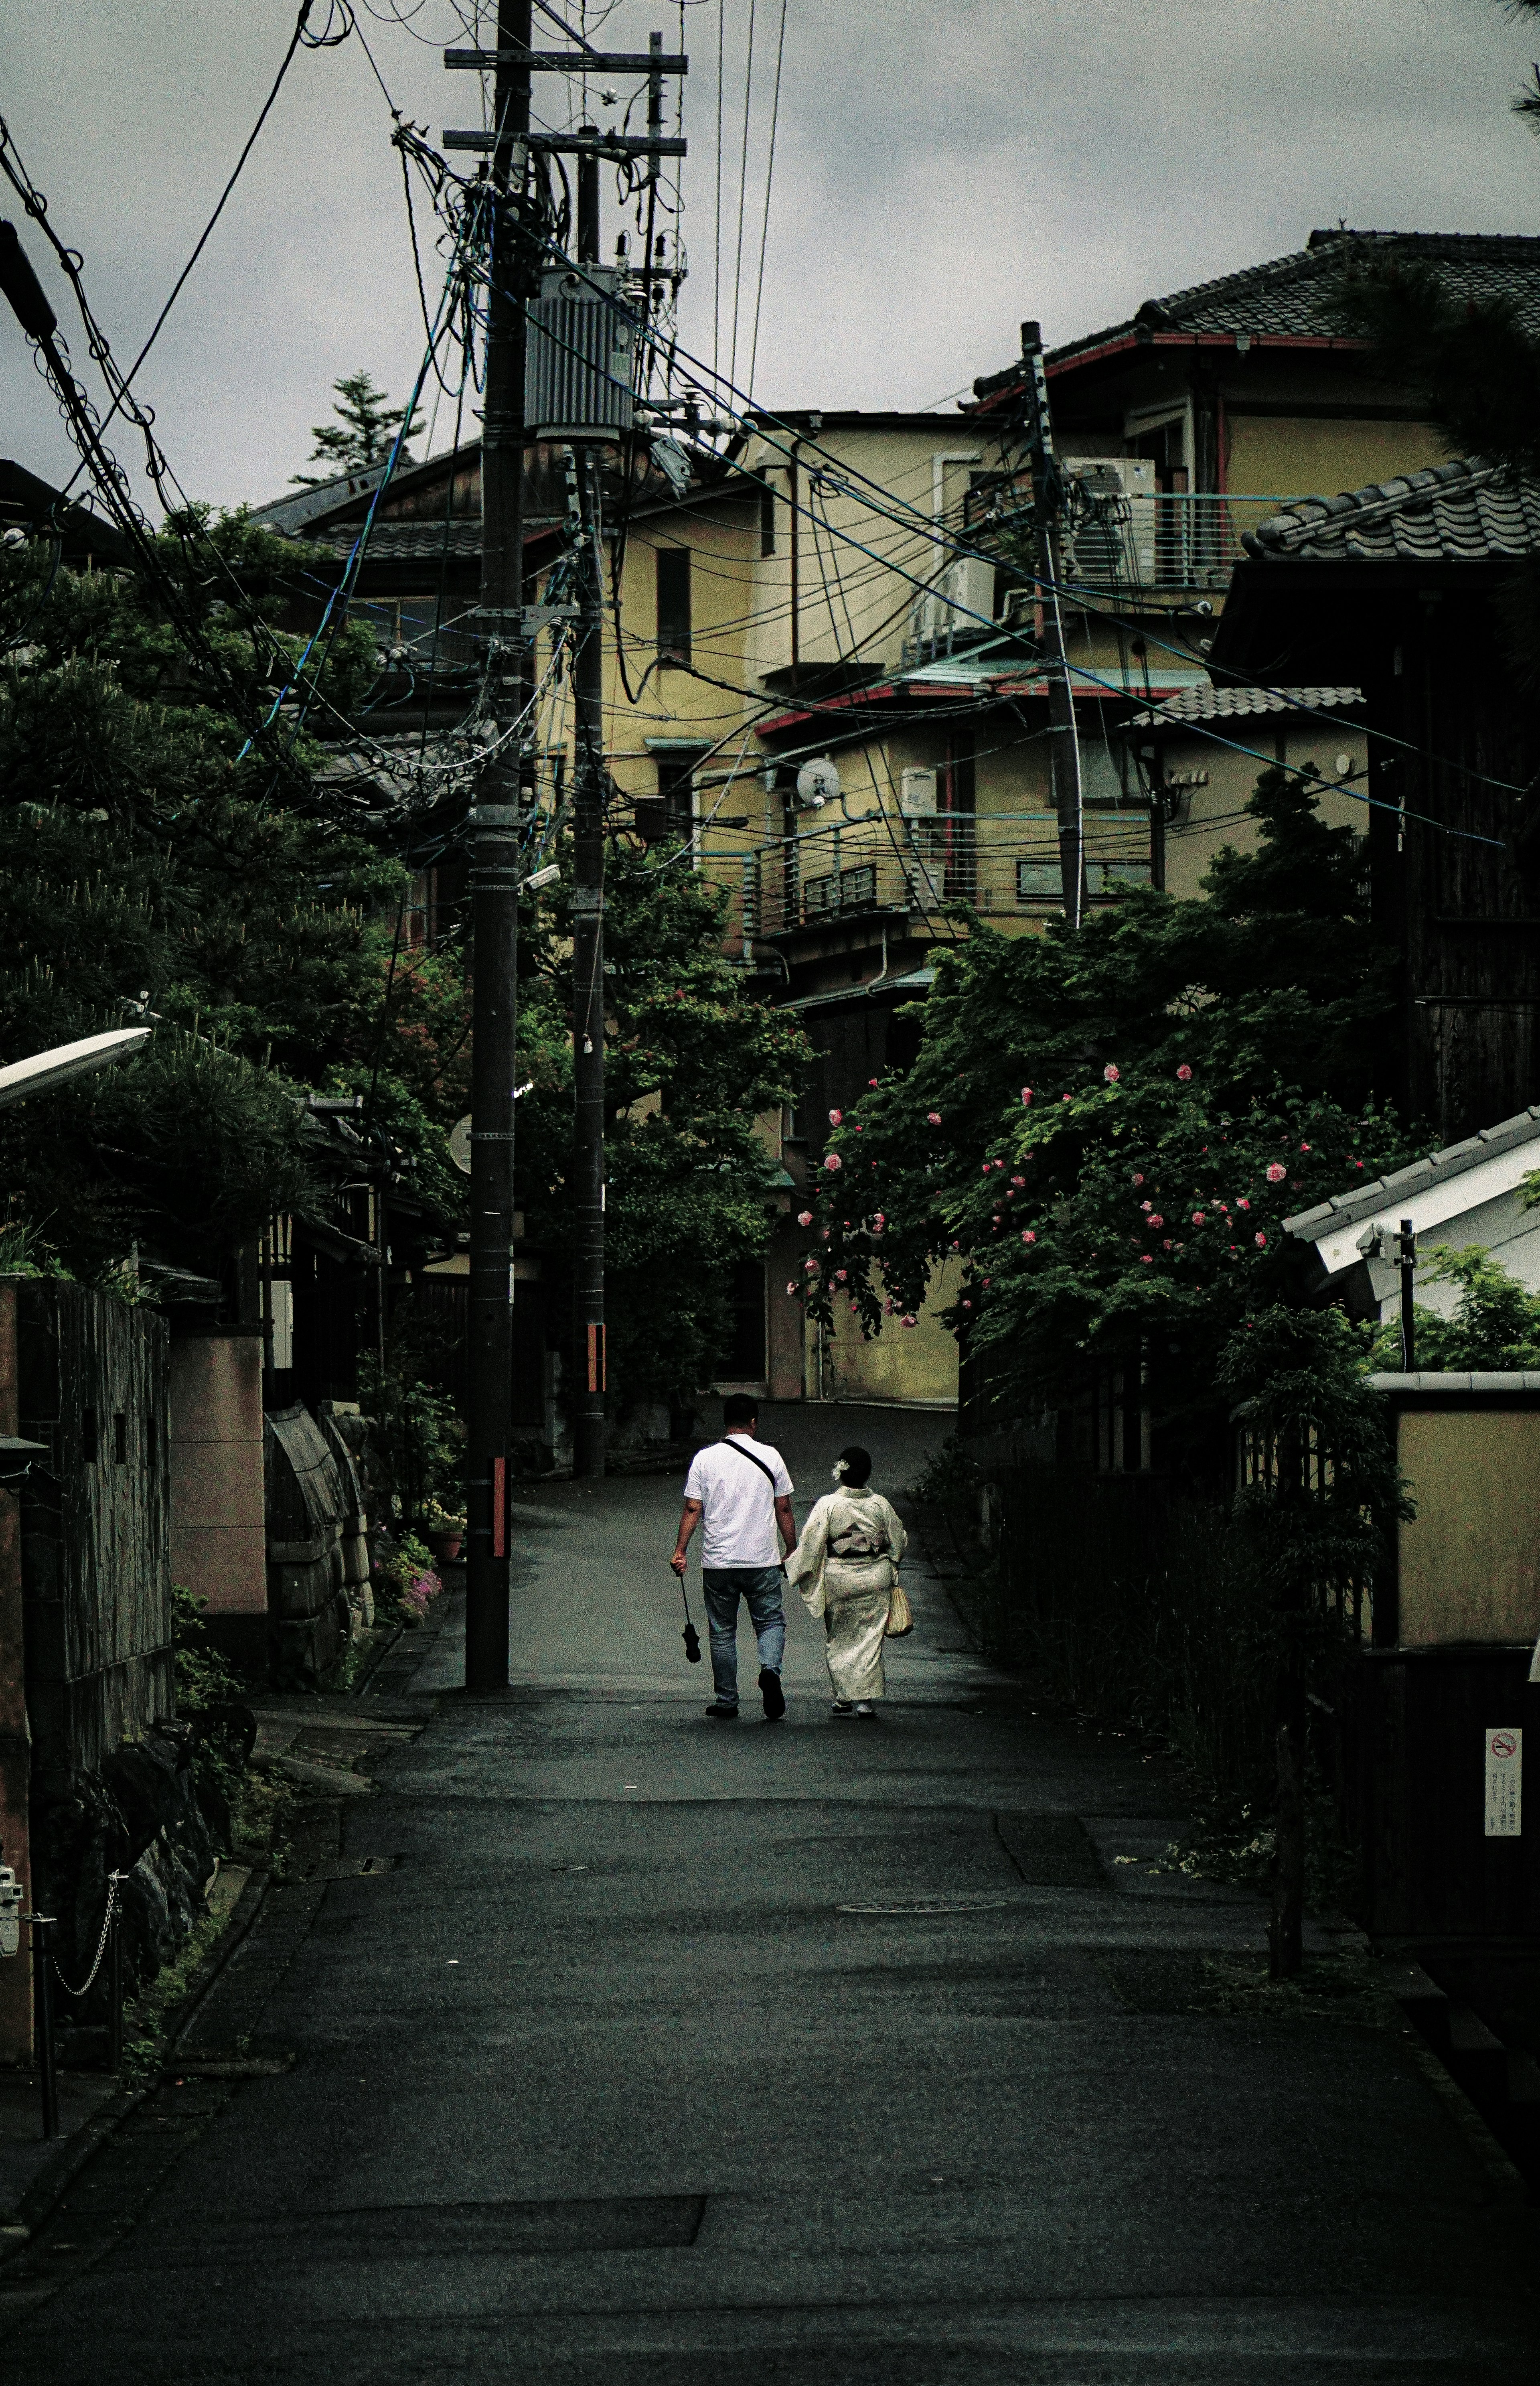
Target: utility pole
[494,824]
[588,990]
[1063,738]
[579,359]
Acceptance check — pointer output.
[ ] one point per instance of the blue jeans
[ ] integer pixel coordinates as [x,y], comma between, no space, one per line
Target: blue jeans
[760,1587]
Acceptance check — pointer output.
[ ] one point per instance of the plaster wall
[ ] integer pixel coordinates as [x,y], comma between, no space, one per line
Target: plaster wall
[1470,1564]
[218,1529]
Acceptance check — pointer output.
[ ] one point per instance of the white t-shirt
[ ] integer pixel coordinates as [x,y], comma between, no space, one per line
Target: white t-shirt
[738,1527]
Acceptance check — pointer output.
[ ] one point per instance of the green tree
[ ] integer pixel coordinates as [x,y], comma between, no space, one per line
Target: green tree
[1107,1129]
[1493,1326]
[151,858]
[363,433]
[692,1061]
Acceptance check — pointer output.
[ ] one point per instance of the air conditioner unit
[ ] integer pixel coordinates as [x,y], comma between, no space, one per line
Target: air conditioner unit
[580,360]
[1110,531]
[961,598]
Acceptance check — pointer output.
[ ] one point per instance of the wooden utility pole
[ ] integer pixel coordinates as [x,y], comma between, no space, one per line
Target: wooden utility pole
[494,823]
[584,405]
[588,989]
[1063,738]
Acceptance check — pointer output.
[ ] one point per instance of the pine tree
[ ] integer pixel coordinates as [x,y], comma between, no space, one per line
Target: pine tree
[363,434]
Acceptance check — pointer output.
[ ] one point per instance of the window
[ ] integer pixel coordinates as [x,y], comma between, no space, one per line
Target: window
[767,521]
[856,891]
[670,814]
[673,604]
[1039,881]
[1111,877]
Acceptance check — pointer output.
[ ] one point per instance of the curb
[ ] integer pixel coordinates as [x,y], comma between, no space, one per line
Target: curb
[38,2200]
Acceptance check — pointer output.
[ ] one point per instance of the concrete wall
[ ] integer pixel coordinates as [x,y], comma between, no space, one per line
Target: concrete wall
[911,1365]
[217,1531]
[1469,1567]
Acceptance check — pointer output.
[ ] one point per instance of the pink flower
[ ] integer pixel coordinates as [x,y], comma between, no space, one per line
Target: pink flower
[860,1130]
[988,1279]
[1167,1244]
[1111,1073]
[1357,1163]
[1138,1180]
[1149,1258]
[988,1167]
[889,1306]
[872,1081]
[1026,1097]
[968,1304]
[1243,1205]
[1304,1147]
[1028,1238]
[840,1275]
[1019,1180]
[1197,1217]
[805,1218]
[834,1117]
[810,1267]
[1064,1098]
[934,1117]
[824,1233]
[914,1321]
[1145,1205]
[1276,1171]
[1260,1241]
[833,1162]
[880,1218]
[790,1287]
[1156,1219]
[995,1221]
[1183,1075]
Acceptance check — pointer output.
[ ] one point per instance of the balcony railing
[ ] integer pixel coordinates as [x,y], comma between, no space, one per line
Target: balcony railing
[1180,539]
[1002,863]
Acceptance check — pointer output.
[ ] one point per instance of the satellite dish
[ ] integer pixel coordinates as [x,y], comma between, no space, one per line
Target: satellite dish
[817,782]
[459,1145]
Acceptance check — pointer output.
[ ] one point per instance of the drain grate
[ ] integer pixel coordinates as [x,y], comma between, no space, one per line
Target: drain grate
[935,1905]
[623,2224]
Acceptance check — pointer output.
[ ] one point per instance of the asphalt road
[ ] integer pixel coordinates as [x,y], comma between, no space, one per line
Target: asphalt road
[678,2055]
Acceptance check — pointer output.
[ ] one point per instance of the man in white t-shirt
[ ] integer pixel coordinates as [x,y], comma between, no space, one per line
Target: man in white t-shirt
[739,1489]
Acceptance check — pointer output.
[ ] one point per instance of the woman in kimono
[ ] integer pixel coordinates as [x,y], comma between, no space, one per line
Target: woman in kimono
[845,1565]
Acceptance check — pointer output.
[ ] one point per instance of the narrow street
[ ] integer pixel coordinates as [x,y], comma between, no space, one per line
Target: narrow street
[674,2052]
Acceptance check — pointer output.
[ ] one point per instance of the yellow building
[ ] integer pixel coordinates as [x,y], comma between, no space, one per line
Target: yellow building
[828,677]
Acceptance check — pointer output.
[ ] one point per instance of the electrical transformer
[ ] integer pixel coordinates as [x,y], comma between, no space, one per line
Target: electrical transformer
[580,360]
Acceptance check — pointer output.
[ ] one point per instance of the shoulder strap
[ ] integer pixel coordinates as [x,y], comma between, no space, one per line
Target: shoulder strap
[727,1442]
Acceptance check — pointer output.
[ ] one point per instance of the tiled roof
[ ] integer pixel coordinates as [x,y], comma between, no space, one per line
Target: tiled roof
[1366,1200]
[1294,296]
[1451,513]
[1236,703]
[408,542]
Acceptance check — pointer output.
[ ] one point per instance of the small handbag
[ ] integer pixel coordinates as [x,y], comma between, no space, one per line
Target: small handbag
[900,1614]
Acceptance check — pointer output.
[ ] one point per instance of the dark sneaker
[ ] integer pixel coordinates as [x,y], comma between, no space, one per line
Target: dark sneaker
[774,1696]
[719,1714]
[841,1707]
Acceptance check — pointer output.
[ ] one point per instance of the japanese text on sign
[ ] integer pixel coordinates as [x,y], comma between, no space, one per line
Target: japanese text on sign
[1505,1782]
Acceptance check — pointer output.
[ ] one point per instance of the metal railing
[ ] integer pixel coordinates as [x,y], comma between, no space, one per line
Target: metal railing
[1177,539]
[1002,863]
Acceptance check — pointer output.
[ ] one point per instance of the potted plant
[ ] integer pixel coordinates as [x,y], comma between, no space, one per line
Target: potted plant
[445,1529]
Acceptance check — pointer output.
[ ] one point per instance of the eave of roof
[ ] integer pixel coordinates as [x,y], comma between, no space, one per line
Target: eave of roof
[1366,1201]
[1458,513]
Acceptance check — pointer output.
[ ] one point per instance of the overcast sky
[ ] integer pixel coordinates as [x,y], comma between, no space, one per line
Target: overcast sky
[942,169]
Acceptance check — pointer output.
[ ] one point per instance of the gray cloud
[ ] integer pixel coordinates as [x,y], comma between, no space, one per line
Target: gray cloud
[942,171]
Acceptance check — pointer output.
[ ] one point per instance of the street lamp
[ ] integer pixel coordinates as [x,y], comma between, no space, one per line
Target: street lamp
[45,1070]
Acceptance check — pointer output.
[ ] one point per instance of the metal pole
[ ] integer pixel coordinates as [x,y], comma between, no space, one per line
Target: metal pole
[588,992]
[1409,1291]
[494,901]
[1063,738]
[115,1974]
[43,2004]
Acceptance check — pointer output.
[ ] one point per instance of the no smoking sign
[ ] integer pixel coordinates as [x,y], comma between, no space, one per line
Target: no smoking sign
[1505,1782]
